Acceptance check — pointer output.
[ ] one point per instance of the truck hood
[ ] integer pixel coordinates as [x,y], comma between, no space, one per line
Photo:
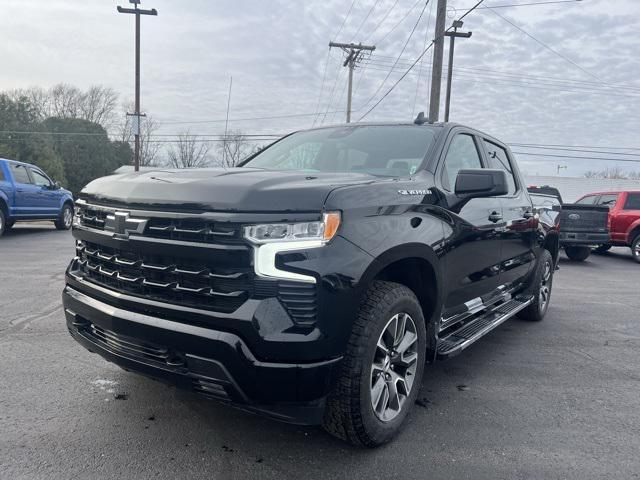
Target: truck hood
[219,189]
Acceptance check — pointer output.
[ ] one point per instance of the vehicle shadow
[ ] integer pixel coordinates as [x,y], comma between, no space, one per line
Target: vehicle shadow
[19,230]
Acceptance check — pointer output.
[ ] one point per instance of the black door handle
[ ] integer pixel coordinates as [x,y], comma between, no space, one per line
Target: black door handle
[495,217]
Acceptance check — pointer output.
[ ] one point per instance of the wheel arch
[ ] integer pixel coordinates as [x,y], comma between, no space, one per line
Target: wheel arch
[417,267]
[633,232]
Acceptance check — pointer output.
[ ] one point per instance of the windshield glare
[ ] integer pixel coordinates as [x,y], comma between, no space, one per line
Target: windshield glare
[393,151]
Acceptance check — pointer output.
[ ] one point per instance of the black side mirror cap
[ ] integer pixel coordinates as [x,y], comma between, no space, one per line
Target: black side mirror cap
[481,182]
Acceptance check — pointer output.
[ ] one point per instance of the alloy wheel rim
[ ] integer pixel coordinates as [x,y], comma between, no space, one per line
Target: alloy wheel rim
[394,366]
[545,287]
[68,216]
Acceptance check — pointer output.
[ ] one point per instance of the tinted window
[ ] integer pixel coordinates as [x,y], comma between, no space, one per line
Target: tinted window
[498,159]
[608,200]
[633,201]
[392,151]
[1,174]
[462,154]
[40,179]
[20,174]
[590,200]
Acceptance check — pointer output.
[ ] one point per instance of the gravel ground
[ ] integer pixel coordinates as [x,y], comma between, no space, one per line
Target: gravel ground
[559,399]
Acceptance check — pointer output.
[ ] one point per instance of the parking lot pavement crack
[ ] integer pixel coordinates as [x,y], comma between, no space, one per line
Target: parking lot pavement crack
[20,323]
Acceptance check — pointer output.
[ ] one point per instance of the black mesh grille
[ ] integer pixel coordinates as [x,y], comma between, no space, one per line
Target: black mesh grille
[168,279]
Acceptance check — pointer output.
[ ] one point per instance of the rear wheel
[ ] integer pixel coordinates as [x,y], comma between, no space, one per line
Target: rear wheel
[577,254]
[541,289]
[635,249]
[3,224]
[382,369]
[602,249]
[66,218]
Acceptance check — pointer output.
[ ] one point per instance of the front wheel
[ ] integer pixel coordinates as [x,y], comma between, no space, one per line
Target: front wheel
[66,218]
[635,248]
[541,289]
[381,373]
[577,254]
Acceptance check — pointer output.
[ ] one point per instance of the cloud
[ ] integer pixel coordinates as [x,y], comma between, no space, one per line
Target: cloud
[504,83]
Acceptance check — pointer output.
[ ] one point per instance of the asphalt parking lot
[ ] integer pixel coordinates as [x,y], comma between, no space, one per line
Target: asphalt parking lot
[559,399]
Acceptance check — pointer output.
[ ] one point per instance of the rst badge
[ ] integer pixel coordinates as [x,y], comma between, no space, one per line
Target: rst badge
[415,192]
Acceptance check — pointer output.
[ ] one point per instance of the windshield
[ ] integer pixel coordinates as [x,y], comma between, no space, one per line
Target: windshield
[390,150]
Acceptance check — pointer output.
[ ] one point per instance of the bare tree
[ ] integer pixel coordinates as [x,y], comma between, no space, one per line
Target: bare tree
[612,173]
[64,101]
[234,148]
[98,104]
[150,146]
[189,151]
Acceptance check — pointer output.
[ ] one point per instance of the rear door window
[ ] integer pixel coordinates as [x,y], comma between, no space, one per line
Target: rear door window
[462,154]
[608,201]
[499,160]
[633,201]
[20,174]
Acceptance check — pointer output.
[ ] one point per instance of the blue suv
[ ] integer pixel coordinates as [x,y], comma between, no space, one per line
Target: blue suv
[27,193]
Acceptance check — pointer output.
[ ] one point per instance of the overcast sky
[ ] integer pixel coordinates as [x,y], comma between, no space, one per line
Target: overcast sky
[586,93]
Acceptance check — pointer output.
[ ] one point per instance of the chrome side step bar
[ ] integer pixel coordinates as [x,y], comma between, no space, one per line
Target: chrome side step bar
[456,341]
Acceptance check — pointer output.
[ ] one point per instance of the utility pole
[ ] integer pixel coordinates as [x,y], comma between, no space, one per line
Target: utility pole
[452,39]
[226,125]
[436,71]
[354,55]
[136,124]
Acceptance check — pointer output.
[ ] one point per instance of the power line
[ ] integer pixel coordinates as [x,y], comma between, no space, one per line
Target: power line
[395,4]
[540,42]
[373,7]
[398,58]
[550,2]
[577,157]
[326,63]
[415,63]
[399,23]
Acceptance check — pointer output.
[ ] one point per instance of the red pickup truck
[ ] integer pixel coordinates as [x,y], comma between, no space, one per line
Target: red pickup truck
[624,218]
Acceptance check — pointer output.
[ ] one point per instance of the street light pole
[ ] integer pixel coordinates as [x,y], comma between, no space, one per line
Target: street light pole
[452,39]
[136,115]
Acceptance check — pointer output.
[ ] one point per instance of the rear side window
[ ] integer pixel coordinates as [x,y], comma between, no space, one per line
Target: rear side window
[633,201]
[590,200]
[20,174]
[462,154]
[1,174]
[608,201]
[499,160]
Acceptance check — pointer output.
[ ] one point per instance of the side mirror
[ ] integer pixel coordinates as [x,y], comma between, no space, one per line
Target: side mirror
[481,182]
[56,186]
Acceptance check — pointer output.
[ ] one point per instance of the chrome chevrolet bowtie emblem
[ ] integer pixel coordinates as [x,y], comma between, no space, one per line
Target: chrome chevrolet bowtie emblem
[121,224]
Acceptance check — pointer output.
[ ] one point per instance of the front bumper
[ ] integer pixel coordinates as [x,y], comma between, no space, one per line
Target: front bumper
[215,363]
[583,238]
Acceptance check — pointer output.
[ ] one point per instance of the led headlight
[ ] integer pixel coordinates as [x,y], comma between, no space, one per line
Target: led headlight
[323,230]
[273,238]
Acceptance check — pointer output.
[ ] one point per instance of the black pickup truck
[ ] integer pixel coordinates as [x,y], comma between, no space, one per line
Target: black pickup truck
[312,283]
[583,226]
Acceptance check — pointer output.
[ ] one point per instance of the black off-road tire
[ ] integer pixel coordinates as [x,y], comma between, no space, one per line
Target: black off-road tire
[541,287]
[635,249]
[577,254]
[349,413]
[64,222]
[602,249]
